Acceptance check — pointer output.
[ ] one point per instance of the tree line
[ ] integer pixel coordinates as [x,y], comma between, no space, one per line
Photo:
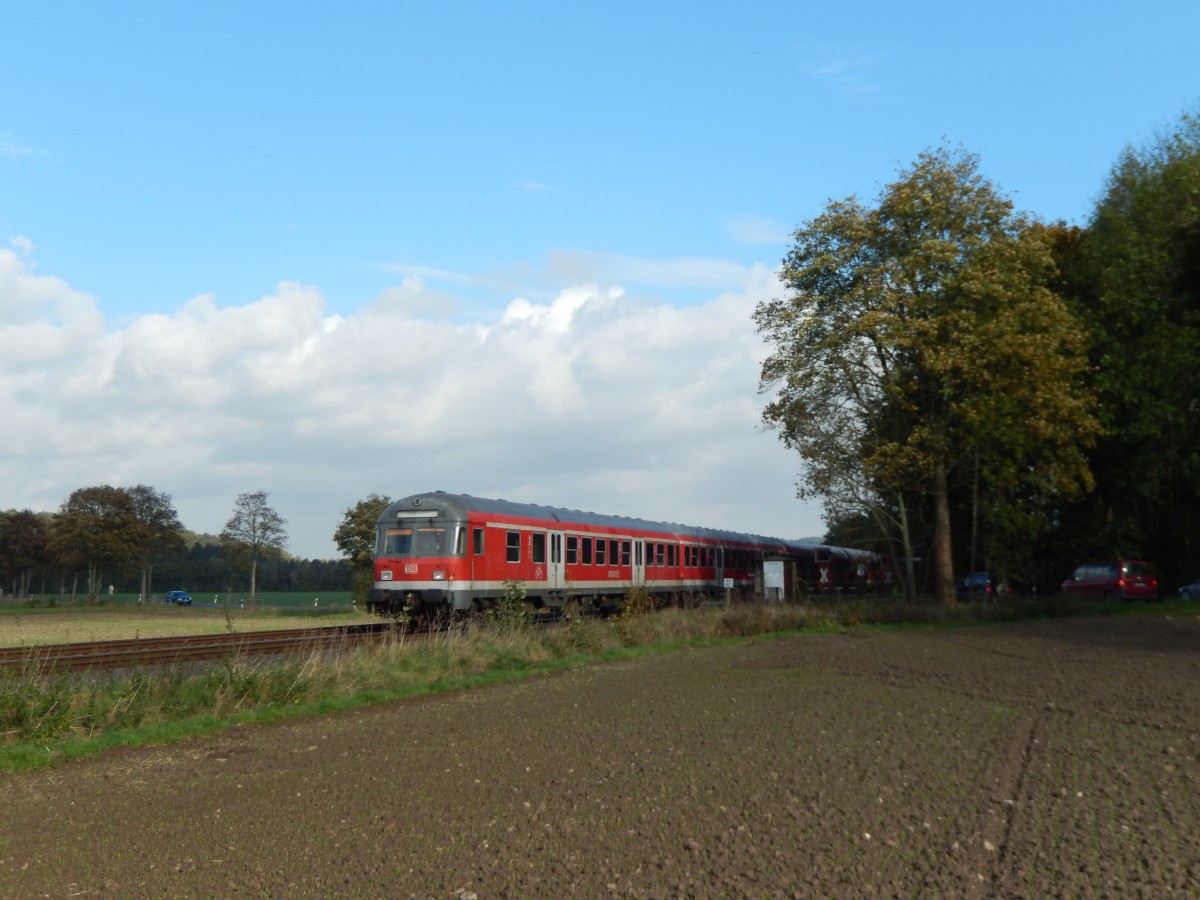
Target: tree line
[131,539]
[971,388]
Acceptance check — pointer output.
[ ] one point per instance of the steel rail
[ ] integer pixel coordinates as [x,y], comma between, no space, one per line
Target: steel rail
[186,648]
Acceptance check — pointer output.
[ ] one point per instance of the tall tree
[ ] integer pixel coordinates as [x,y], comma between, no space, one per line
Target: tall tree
[97,528]
[253,532]
[161,531]
[355,537]
[1134,274]
[24,548]
[921,341]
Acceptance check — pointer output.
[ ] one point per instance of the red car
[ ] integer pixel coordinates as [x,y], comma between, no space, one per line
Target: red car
[1125,579]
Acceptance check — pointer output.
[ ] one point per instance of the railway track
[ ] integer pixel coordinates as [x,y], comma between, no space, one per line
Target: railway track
[192,648]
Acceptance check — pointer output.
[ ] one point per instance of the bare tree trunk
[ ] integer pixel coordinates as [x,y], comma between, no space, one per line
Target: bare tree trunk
[910,563]
[975,516]
[93,583]
[942,561]
[253,581]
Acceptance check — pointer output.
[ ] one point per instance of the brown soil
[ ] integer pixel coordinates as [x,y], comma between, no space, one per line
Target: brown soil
[1040,759]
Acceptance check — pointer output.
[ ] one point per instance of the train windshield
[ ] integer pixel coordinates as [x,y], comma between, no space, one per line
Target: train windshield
[421,541]
[431,542]
[398,542]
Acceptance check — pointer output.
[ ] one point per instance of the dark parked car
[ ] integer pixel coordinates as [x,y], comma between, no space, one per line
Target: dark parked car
[979,584]
[1191,590]
[179,597]
[1125,579]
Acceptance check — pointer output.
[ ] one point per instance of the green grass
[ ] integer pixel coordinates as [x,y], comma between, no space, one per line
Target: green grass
[47,718]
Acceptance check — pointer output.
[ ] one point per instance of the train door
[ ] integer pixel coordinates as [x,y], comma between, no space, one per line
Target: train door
[555,579]
[719,562]
[639,562]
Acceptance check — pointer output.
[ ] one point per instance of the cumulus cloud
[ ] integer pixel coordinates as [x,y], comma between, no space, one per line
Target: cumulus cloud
[591,399]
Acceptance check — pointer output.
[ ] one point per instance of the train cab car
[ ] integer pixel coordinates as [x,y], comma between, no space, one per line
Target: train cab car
[450,552]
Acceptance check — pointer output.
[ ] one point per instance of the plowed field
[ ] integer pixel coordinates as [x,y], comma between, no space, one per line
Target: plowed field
[1055,758]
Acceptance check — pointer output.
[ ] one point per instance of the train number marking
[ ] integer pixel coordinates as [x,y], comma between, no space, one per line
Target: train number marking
[410,568]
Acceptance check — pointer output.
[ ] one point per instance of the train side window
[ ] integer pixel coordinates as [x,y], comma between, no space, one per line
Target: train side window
[649,553]
[537,547]
[672,557]
[637,553]
[660,553]
[556,548]
[460,541]
[613,555]
[572,550]
[587,552]
[512,546]
[601,544]
[477,541]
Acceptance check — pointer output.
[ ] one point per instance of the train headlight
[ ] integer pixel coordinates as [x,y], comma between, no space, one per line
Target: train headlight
[439,575]
[385,575]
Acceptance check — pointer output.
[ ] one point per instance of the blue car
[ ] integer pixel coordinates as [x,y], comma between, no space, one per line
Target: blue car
[979,584]
[180,597]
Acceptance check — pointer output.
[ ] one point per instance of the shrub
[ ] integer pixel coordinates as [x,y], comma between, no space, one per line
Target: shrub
[510,612]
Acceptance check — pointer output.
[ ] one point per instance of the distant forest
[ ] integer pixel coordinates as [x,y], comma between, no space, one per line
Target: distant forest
[203,569]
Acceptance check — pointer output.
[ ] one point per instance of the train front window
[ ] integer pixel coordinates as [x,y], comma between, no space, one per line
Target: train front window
[431,542]
[398,542]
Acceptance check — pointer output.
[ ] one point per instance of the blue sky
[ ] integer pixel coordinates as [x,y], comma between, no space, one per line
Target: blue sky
[248,184]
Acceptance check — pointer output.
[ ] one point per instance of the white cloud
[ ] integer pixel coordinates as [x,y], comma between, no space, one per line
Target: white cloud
[11,145]
[853,73]
[590,399]
[534,187]
[610,268]
[419,273]
[757,231]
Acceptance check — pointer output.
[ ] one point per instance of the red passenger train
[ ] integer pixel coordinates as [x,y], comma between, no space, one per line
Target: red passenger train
[440,552]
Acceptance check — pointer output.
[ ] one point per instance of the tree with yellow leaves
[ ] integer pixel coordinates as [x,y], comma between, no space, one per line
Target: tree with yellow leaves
[921,347]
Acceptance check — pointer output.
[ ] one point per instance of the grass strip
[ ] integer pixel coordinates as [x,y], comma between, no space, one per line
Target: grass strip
[48,718]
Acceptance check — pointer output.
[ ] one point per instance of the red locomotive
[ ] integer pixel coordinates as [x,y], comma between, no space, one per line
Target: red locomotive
[452,552]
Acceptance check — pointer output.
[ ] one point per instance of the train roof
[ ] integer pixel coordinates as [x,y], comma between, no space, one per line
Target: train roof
[461,504]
